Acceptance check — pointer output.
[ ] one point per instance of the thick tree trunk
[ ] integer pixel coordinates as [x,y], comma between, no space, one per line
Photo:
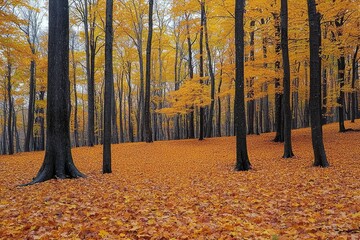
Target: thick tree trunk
[288,153]
[109,87]
[58,161]
[242,159]
[315,86]
[147,112]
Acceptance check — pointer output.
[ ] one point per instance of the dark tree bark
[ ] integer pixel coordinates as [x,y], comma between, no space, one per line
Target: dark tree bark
[191,73]
[10,110]
[58,162]
[353,80]
[109,87]
[31,108]
[90,82]
[242,159]
[218,128]
[341,76]
[130,122]
[212,77]
[279,137]
[251,102]
[147,112]
[288,153]
[315,86]
[201,68]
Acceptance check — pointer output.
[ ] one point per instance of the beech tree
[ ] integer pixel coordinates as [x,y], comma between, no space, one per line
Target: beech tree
[286,70]
[147,113]
[109,87]
[58,162]
[242,159]
[315,86]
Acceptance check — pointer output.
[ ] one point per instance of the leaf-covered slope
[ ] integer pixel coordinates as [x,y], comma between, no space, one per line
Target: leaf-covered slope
[188,189]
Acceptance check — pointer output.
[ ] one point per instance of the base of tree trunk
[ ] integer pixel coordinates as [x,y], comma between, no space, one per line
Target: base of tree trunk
[49,171]
[278,138]
[288,154]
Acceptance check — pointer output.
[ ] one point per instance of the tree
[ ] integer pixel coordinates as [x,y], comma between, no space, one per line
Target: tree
[109,87]
[315,86]
[147,113]
[58,162]
[201,68]
[286,68]
[242,159]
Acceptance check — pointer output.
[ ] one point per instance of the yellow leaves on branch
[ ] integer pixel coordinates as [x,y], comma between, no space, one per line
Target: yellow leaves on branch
[191,94]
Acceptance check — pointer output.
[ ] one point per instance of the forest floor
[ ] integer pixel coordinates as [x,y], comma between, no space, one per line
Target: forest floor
[188,190]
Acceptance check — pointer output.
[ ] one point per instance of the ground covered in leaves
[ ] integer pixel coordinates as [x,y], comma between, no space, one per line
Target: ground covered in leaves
[188,190]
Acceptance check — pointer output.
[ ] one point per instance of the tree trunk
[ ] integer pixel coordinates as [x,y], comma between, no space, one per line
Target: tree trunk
[147,112]
[58,161]
[10,110]
[90,81]
[121,94]
[202,20]
[353,80]
[109,87]
[212,80]
[288,153]
[31,108]
[131,128]
[191,73]
[315,86]
[218,128]
[278,94]
[242,159]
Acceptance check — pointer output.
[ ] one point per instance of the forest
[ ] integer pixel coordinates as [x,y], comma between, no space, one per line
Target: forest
[217,119]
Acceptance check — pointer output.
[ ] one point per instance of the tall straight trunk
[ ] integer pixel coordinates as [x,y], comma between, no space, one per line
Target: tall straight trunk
[131,128]
[4,146]
[191,73]
[76,123]
[114,132]
[109,87]
[10,115]
[58,162]
[315,86]
[341,100]
[288,153]
[228,115]
[16,132]
[353,80]
[265,100]
[31,107]
[218,128]
[147,112]
[121,95]
[278,94]
[90,82]
[212,78]
[242,159]
[251,102]
[202,113]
